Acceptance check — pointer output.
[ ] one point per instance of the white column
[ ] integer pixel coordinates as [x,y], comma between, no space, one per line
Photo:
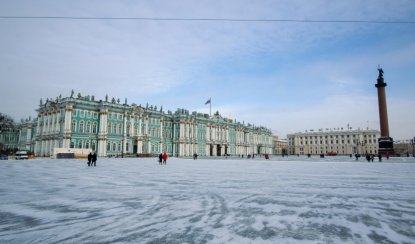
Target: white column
[146,132]
[45,120]
[102,141]
[29,135]
[68,119]
[132,123]
[139,146]
[161,128]
[139,126]
[38,129]
[207,135]
[181,131]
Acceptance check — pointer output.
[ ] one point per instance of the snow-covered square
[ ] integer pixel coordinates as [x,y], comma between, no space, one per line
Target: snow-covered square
[224,200]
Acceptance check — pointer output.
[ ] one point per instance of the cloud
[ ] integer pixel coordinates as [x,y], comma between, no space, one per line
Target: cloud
[285,75]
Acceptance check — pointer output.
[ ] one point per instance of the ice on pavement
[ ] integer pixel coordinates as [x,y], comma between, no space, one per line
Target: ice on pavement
[233,200]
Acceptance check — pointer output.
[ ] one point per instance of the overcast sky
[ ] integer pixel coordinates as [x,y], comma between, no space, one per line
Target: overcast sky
[287,76]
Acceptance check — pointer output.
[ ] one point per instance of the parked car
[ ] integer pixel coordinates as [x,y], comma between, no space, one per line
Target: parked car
[21,155]
[3,157]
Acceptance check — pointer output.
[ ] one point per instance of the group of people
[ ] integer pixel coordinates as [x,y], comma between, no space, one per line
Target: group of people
[92,159]
[371,157]
[163,158]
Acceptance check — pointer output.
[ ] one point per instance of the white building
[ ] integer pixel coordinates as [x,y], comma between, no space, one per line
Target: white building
[337,142]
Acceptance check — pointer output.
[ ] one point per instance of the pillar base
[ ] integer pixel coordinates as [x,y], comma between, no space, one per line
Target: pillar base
[386,146]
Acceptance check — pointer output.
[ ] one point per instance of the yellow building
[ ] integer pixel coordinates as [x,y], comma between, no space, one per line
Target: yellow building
[334,141]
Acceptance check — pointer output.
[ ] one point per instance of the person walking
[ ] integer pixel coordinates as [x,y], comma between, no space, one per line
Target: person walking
[94,159]
[89,159]
[164,158]
[160,158]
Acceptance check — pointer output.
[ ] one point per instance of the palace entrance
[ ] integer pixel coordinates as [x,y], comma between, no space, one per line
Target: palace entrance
[218,150]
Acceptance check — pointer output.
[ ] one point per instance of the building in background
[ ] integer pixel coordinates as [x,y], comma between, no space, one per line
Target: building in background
[405,147]
[112,128]
[334,142]
[280,146]
[9,139]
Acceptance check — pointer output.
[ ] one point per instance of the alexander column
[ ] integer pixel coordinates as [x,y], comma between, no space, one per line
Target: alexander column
[385,141]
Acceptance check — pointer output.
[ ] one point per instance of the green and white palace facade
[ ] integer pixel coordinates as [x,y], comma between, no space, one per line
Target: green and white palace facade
[111,128]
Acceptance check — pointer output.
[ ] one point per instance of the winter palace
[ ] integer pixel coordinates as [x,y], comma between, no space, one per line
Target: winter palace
[111,128]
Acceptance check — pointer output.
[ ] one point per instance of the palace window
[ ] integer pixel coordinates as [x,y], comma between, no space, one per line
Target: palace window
[73,125]
[108,146]
[80,144]
[72,145]
[88,127]
[109,128]
[94,127]
[82,113]
[81,127]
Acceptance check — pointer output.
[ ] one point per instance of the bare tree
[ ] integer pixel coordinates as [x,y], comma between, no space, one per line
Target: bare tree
[6,122]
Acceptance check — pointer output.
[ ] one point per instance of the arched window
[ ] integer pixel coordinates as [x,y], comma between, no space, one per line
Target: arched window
[109,128]
[80,144]
[73,125]
[88,127]
[114,146]
[127,147]
[87,144]
[94,127]
[72,144]
[114,129]
[93,147]
[108,146]
[81,127]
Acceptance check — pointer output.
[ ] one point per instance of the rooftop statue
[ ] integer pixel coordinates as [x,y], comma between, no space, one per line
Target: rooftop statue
[380,72]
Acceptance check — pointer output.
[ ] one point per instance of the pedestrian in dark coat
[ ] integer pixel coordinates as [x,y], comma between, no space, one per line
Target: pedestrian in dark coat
[94,159]
[89,159]
[160,158]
